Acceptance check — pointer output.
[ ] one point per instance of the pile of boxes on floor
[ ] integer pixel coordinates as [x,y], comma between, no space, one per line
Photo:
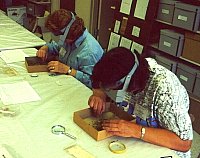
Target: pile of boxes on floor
[33,8]
[186,46]
[17,13]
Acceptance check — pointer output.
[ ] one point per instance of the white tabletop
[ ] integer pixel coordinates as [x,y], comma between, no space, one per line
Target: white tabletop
[28,135]
[13,35]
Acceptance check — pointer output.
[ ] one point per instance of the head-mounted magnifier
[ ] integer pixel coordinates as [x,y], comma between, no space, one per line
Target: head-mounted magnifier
[118,95]
[66,31]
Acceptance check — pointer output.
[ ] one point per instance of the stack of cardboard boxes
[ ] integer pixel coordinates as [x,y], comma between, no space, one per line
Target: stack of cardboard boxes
[17,13]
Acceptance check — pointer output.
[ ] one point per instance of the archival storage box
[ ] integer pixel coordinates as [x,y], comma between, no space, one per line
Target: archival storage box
[195,111]
[166,11]
[186,76]
[196,90]
[186,16]
[171,42]
[35,9]
[191,47]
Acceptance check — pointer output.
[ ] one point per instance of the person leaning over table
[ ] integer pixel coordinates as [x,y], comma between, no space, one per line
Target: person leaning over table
[78,50]
[154,96]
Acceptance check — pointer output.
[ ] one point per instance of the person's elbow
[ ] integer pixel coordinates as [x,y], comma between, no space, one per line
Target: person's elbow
[185,145]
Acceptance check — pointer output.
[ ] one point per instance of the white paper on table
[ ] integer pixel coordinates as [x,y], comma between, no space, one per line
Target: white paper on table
[126,6]
[19,92]
[12,56]
[4,153]
[117,26]
[141,9]
[114,40]
[125,43]
[79,152]
[137,46]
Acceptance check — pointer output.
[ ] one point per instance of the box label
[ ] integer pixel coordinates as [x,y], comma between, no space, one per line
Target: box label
[30,9]
[165,11]
[183,18]
[183,78]
[167,44]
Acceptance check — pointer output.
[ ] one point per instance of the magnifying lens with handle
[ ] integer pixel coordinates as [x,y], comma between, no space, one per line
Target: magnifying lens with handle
[59,129]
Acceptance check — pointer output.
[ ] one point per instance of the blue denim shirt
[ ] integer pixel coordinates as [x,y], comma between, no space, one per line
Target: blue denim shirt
[82,55]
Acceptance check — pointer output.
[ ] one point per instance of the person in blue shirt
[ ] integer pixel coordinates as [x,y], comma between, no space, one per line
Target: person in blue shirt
[77,50]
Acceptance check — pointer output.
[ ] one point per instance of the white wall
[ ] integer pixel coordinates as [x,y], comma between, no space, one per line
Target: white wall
[55,5]
[82,9]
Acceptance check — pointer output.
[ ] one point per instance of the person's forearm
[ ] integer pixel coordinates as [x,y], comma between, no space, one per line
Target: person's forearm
[45,47]
[166,138]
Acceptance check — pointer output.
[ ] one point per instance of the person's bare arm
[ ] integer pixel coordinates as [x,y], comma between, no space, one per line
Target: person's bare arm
[97,101]
[157,136]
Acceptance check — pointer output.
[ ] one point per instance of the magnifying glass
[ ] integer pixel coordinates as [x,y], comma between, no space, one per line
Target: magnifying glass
[117,147]
[59,129]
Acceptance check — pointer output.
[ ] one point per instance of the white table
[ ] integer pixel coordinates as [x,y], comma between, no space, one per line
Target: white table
[28,135]
[13,35]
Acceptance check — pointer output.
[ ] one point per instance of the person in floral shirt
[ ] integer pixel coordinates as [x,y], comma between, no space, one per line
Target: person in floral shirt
[154,96]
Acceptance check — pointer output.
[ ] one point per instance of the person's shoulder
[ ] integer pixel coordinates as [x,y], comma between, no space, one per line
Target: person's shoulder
[157,68]
[92,44]
[90,38]
[163,75]
[151,61]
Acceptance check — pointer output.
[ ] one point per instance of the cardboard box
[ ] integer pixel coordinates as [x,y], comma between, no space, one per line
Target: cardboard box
[191,47]
[80,118]
[35,64]
[166,10]
[186,16]
[35,9]
[186,76]
[17,13]
[171,42]
[196,90]
[195,111]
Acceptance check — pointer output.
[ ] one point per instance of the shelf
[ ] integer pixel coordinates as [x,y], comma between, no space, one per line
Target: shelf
[169,24]
[164,22]
[189,69]
[197,64]
[154,46]
[40,2]
[194,97]
[180,59]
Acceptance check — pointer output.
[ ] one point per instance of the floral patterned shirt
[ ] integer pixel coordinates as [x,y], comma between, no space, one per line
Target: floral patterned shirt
[164,103]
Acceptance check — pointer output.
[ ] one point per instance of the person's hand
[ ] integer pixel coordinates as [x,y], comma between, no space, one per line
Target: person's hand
[56,66]
[122,128]
[42,52]
[97,101]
